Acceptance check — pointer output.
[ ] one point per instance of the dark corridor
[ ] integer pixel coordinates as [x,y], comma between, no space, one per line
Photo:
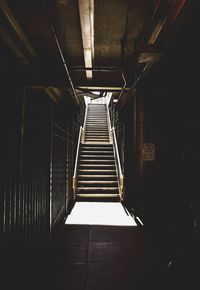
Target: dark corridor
[145,56]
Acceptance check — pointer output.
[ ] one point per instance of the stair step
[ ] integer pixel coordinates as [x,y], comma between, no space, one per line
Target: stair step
[88,182]
[92,161]
[104,121]
[98,195]
[97,176]
[97,148]
[97,131]
[106,146]
[97,189]
[109,157]
[97,126]
[97,135]
[99,171]
[97,166]
[87,139]
[97,117]
[96,142]
[93,140]
[97,152]
[94,128]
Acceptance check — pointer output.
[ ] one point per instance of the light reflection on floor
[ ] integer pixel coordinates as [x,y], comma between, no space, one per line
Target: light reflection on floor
[100,213]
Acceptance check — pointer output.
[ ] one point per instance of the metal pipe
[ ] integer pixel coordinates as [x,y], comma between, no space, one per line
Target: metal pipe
[139,77]
[60,51]
[123,88]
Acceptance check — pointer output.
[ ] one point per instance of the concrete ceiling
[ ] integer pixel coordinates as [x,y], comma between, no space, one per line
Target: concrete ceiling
[114,20]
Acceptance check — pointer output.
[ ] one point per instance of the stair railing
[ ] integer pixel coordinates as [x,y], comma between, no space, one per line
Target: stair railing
[84,123]
[109,125]
[118,165]
[74,179]
[113,140]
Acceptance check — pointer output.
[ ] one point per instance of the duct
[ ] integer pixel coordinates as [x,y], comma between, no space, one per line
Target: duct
[60,52]
[15,26]
[10,43]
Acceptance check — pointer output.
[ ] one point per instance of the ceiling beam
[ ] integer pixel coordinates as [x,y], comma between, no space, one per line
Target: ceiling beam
[16,27]
[86,11]
[13,47]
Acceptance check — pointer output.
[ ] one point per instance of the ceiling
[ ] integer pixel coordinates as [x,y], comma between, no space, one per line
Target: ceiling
[92,43]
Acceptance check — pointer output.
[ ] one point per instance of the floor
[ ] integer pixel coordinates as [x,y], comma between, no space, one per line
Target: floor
[100,248]
[100,213]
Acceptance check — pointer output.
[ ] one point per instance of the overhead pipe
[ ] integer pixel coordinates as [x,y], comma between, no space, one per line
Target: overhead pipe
[60,51]
[123,88]
[139,77]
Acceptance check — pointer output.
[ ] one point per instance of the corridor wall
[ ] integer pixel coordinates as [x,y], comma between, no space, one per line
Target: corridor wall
[38,140]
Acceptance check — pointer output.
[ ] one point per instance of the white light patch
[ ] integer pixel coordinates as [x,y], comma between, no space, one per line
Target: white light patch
[100,213]
[88,62]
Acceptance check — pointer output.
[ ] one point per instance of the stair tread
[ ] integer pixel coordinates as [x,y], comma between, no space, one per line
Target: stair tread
[98,194]
[97,176]
[98,170]
[97,181]
[97,188]
[96,155]
[96,160]
[86,152]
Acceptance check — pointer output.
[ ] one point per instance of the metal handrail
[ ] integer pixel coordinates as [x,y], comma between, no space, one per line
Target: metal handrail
[109,124]
[84,123]
[118,163]
[81,132]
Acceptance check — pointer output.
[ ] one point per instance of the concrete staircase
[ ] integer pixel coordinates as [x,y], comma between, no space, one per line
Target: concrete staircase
[97,177]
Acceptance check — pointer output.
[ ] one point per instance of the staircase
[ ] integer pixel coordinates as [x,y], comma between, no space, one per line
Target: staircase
[97,177]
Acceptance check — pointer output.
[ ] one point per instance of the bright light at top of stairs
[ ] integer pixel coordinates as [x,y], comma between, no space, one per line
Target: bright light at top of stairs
[100,213]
